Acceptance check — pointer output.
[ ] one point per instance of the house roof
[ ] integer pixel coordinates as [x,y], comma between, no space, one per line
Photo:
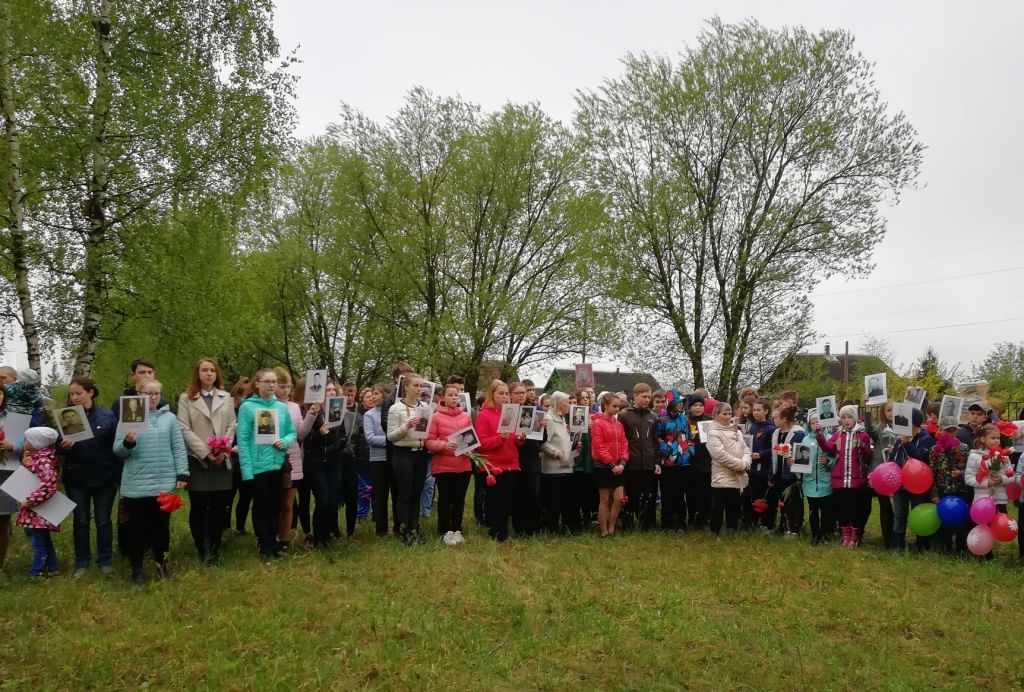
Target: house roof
[616,381]
[836,366]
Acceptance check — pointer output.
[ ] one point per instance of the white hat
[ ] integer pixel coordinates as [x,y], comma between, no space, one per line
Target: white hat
[40,438]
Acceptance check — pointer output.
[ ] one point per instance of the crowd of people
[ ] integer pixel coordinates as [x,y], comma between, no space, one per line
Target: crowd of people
[706,464]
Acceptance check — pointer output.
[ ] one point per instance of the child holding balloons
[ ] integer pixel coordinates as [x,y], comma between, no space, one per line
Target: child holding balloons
[948,461]
[989,472]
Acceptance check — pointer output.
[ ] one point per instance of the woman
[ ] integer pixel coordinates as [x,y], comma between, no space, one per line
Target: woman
[155,461]
[611,454]
[584,485]
[91,475]
[502,453]
[451,473]
[526,503]
[409,458]
[320,452]
[262,463]
[243,491]
[294,475]
[362,447]
[730,461]
[9,463]
[382,475]
[205,411]
[883,439]
[556,485]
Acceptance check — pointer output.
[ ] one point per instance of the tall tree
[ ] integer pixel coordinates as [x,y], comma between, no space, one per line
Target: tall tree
[749,169]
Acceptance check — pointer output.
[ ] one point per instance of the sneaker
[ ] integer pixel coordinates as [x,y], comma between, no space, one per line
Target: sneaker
[241,532]
[138,578]
[106,570]
[79,572]
[307,540]
[766,531]
[790,534]
[448,538]
[458,538]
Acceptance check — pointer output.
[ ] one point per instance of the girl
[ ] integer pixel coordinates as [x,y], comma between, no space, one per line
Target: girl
[243,491]
[409,459]
[851,447]
[91,474]
[322,469]
[948,461]
[451,473]
[526,504]
[382,475]
[291,480]
[362,447]
[744,416]
[817,487]
[262,463]
[993,483]
[155,461]
[674,452]
[556,462]
[730,461]
[698,486]
[883,439]
[780,477]
[610,452]
[501,451]
[205,410]
[584,486]
[41,460]
[761,431]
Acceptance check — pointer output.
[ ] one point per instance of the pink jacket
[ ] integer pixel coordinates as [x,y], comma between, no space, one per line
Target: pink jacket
[608,443]
[295,451]
[852,449]
[503,453]
[443,423]
[43,463]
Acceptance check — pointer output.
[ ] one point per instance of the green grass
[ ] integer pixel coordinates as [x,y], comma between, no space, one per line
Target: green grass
[654,611]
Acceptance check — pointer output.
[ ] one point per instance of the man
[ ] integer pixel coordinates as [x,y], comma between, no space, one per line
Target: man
[875,386]
[142,371]
[977,416]
[316,386]
[71,423]
[531,393]
[826,409]
[348,390]
[641,481]
[133,412]
[264,423]
[8,375]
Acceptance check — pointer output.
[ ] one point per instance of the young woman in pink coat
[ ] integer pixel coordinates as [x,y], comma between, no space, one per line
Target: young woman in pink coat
[451,473]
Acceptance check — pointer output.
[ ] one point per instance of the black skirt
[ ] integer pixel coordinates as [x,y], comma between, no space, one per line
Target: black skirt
[605,478]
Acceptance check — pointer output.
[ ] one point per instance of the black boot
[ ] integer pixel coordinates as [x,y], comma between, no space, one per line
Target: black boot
[137,577]
[213,553]
[899,543]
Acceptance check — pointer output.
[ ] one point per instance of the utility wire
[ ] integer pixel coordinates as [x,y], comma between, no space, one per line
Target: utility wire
[916,283]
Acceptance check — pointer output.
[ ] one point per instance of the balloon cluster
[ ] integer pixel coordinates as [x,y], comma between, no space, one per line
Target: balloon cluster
[991,526]
[888,478]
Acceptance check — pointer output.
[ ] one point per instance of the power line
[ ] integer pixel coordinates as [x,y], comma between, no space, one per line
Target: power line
[917,283]
[928,329]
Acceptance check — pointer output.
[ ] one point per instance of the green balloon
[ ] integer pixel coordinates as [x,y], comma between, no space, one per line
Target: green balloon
[924,519]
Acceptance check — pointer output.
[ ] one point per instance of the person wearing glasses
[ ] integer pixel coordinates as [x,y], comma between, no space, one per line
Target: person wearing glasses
[293,479]
[262,463]
[155,461]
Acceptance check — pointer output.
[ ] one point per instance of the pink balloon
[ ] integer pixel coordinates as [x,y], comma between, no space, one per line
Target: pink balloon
[979,540]
[983,511]
[887,478]
[917,476]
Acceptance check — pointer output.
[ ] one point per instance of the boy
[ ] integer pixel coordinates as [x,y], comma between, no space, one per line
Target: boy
[640,424]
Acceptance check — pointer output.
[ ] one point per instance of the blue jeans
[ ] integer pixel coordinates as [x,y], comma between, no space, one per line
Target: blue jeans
[44,555]
[365,491]
[427,496]
[101,499]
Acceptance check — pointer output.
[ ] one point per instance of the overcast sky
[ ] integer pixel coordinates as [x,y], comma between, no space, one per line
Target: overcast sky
[954,68]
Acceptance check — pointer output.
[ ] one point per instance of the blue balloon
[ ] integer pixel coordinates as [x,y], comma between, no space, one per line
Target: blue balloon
[953,511]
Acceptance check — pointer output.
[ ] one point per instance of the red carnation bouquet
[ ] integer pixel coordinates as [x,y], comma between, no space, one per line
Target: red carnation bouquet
[991,462]
[482,464]
[220,444]
[784,451]
[761,505]
[169,502]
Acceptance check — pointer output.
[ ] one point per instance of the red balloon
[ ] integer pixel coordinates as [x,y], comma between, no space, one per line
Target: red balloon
[1003,528]
[1013,491]
[917,477]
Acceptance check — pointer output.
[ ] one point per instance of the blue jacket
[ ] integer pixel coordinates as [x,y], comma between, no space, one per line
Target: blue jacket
[91,463]
[817,483]
[671,431]
[919,447]
[376,438]
[253,458]
[762,444]
[157,459]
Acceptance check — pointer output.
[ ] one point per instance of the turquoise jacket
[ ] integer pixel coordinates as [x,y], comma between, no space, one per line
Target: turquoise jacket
[158,458]
[253,458]
[818,483]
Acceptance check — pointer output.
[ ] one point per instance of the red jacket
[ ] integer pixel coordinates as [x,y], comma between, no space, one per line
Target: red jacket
[608,443]
[443,423]
[503,453]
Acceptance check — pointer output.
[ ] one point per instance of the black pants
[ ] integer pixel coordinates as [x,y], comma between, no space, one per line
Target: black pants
[349,496]
[698,498]
[821,519]
[382,475]
[585,488]
[673,497]
[953,539]
[479,497]
[451,500]
[642,490]
[757,490]
[303,503]
[886,517]
[725,501]
[526,509]
[148,527]
[792,518]
[410,475]
[266,508]
[206,520]
[242,491]
[498,501]
[852,506]
[324,480]
[558,498]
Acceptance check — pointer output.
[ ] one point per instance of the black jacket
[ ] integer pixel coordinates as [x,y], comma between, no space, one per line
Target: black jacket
[642,435]
[92,463]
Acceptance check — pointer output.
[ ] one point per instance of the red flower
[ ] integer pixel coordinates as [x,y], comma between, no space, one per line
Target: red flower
[1009,473]
[760,506]
[169,502]
[219,444]
[496,471]
[625,500]
[782,505]
[932,426]
[1006,428]
[684,445]
[2,435]
[491,480]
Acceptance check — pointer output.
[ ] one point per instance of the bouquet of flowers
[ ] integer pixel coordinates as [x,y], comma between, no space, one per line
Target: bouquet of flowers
[992,461]
[220,444]
[784,451]
[761,505]
[169,502]
[482,464]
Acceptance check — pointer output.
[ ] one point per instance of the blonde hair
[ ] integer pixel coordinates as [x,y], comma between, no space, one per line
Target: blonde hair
[491,389]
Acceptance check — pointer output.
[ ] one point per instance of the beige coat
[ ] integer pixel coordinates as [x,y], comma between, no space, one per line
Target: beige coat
[730,458]
[199,423]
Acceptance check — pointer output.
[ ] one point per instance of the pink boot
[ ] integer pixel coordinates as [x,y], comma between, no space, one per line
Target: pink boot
[858,537]
[847,532]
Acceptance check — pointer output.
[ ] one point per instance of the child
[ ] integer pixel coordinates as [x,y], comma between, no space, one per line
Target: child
[918,446]
[25,395]
[780,476]
[883,439]
[451,472]
[948,460]
[817,487]
[40,459]
[674,451]
[730,461]
[698,486]
[660,404]
[610,452]
[991,483]
[852,449]
[761,430]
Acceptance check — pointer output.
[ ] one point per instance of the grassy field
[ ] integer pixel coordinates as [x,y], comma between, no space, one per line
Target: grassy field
[651,612]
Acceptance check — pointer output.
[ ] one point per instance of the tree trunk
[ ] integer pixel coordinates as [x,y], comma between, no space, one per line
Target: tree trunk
[97,240]
[15,192]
